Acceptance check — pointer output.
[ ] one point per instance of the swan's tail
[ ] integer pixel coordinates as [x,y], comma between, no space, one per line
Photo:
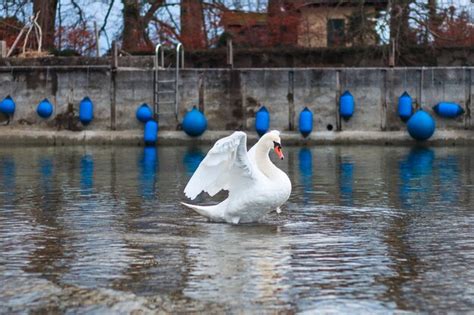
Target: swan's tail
[215,213]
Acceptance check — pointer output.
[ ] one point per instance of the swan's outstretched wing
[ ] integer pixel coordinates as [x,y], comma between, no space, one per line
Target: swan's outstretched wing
[225,166]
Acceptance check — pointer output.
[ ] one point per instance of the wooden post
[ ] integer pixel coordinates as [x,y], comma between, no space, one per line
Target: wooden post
[291,99]
[201,92]
[338,96]
[468,96]
[230,53]
[3,49]
[385,99]
[243,96]
[419,93]
[391,54]
[113,87]
[114,55]
[96,33]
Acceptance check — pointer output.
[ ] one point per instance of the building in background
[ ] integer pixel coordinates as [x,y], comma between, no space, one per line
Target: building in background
[247,29]
[303,23]
[333,23]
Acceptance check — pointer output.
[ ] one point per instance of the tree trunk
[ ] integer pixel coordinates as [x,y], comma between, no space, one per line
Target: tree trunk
[134,36]
[283,21]
[46,20]
[399,26]
[193,35]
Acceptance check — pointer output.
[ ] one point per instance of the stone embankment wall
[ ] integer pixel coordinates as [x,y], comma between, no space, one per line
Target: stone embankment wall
[230,97]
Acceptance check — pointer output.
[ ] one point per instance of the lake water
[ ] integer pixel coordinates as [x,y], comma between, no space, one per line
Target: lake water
[366,230]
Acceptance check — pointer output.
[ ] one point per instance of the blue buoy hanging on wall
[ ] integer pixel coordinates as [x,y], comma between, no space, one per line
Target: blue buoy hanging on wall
[306,122]
[144,113]
[194,122]
[346,105]
[150,134]
[448,109]
[404,106]
[262,121]
[45,108]
[421,125]
[86,111]
[7,105]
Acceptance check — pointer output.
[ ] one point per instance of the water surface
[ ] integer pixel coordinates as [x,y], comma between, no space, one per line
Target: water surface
[366,230]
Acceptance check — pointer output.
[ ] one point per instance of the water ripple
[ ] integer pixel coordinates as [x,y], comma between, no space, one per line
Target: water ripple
[366,230]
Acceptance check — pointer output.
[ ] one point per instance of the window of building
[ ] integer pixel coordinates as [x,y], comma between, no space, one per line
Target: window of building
[335,31]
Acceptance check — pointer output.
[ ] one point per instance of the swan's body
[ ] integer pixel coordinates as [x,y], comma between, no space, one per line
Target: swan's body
[256,186]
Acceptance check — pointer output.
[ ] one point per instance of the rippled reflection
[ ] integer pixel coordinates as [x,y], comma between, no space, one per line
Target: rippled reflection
[346,179]
[148,170]
[305,158]
[366,230]
[227,259]
[449,179]
[416,180]
[87,174]
[8,178]
[192,158]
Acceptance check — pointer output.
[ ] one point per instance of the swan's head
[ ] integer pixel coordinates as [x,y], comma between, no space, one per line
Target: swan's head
[272,140]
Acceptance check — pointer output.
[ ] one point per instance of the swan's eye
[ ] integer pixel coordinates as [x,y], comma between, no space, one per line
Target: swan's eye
[276,145]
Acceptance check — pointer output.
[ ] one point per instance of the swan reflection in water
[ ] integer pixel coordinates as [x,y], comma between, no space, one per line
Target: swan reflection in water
[238,265]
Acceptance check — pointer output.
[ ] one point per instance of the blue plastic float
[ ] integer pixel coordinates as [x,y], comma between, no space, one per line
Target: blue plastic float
[144,113]
[448,109]
[150,134]
[45,108]
[306,122]
[405,106]
[346,105]
[194,122]
[262,121]
[86,111]
[421,125]
[7,105]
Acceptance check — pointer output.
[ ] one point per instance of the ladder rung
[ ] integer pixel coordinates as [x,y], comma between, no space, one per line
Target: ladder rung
[167,102]
[166,81]
[166,92]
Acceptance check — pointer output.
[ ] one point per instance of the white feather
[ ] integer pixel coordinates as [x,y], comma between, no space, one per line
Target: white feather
[226,165]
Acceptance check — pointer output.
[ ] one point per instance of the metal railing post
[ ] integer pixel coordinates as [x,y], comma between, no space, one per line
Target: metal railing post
[179,56]
[157,64]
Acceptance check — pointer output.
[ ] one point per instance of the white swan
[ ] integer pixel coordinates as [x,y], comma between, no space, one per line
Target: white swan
[256,186]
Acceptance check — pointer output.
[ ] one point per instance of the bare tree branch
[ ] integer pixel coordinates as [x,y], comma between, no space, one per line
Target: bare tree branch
[106,18]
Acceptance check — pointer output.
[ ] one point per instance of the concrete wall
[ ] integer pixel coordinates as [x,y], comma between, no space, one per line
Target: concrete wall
[230,98]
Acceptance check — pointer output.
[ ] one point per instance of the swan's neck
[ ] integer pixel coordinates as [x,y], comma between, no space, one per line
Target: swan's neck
[264,163]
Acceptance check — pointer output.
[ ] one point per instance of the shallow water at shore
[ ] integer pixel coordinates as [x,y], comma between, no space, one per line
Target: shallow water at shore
[367,229]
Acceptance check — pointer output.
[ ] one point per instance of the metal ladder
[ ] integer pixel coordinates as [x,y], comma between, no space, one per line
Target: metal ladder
[162,87]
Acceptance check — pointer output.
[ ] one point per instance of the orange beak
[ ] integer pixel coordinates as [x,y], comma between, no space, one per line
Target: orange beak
[278,151]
